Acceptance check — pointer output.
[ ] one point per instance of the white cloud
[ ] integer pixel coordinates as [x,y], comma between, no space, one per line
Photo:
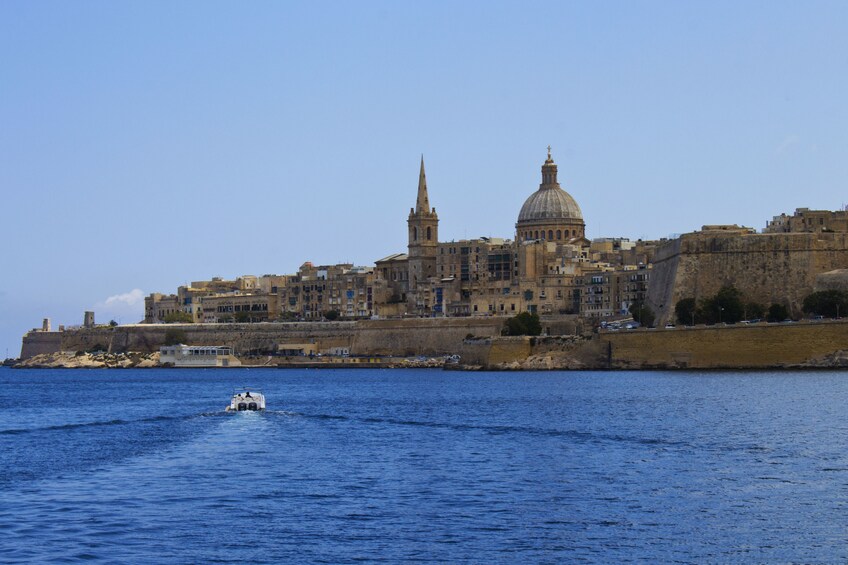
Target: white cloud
[126,308]
[131,298]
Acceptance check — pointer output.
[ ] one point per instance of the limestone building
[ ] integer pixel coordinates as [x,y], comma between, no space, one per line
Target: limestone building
[809,221]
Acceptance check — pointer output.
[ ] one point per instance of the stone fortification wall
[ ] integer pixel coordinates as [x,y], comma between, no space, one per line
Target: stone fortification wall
[767,268]
[733,347]
[424,336]
[420,336]
[823,343]
[147,338]
[533,353]
[759,346]
[490,353]
[39,342]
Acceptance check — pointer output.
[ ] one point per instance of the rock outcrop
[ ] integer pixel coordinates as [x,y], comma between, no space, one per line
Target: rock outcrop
[82,360]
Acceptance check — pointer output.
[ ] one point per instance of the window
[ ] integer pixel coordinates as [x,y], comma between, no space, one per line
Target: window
[429,234]
[559,234]
[550,234]
[414,234]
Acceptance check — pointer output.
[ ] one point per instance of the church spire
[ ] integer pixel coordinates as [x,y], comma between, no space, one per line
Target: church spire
[423,202]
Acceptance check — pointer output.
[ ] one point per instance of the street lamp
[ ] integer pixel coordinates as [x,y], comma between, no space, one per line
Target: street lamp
[719,313]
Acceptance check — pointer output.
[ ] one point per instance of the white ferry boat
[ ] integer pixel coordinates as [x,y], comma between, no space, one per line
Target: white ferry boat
[247,401]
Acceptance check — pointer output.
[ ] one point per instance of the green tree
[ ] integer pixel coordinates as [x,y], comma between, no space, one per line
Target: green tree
[828,303]
[777,313]
[725,306]
[242,317]
[175,336]
[112,323]
[729,300]
[642,314]
[686,311]
[178,318]
[331,315]
[524,323]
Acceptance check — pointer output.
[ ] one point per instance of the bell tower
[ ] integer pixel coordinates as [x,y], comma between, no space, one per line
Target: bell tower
[423,238]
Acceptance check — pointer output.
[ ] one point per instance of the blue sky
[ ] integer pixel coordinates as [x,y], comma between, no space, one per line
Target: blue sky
[147,144]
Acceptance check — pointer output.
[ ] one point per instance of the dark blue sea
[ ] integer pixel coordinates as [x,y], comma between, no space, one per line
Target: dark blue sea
[397,466]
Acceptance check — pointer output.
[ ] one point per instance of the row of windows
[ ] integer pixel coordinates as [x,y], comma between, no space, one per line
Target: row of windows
[243,308]
[530,234]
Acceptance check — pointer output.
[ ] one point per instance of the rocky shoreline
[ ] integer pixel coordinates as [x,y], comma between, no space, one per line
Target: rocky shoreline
[82,360]
[547,361]
[134,360]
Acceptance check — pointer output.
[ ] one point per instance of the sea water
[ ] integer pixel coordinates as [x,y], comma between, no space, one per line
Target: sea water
[423,466]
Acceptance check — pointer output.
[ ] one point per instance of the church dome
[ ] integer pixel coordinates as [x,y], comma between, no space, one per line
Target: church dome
[550,214]
[548,204]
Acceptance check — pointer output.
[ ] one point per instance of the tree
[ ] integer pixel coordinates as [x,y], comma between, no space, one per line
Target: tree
[725,306]
[112,323]
[524,323]
[686,310]
[242,317]
[642,314]
[175,336]
[729,302]
[331,315]
[828,303]
[777,313]
[178,318]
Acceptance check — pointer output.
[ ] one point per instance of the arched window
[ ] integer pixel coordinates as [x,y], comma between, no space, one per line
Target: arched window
[559,234]
[414,234]
[429,234]
[537,234]
[550,234]
[573,233]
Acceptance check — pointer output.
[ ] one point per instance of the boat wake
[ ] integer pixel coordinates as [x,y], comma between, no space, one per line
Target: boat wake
[105,423]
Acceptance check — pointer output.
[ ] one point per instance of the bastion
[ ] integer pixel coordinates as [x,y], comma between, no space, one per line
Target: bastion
[769,268]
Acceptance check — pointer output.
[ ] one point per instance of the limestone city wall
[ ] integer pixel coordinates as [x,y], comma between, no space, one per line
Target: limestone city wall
[424,336]
[39,342]
[755,346]
[768,268]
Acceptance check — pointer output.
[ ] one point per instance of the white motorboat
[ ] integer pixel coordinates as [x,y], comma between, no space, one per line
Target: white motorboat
[247,401]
